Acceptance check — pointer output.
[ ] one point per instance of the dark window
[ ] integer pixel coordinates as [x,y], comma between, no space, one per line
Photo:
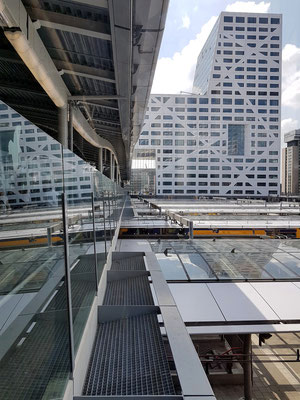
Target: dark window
[263,20]
[275,21]
[236,139]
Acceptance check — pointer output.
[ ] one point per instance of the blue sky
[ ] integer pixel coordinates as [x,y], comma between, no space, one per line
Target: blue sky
[188,24]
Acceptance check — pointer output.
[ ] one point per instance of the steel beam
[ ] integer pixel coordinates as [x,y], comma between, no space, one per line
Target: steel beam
[68,23]
[103,104]
[95,98]
[85,71]
[92,3]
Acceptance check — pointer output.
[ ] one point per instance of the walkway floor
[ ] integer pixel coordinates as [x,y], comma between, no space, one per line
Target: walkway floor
[272,381]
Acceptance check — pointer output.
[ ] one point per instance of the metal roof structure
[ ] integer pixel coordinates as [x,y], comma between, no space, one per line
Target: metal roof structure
[97,55]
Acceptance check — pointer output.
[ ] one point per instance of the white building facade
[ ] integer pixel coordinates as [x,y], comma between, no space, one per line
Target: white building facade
[33,164]
[224,139]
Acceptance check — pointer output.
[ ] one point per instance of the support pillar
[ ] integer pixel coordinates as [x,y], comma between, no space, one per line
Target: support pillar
[191,229]
[70,127]
[247,367]
[63,126]
[111,166]
[100,160]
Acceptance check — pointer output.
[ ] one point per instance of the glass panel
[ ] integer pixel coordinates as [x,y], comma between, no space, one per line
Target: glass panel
[196,267]
[274,267]
[246,265]
[171,267]
[222,266]
[34,364]
[291,262]
[78,179]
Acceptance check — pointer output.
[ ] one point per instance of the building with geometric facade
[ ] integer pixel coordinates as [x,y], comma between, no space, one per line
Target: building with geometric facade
[224,139]
[290,163]
[31,168]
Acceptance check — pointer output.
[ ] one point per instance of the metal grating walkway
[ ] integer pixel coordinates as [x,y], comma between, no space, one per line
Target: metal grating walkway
[133,263]
[40,365]
[129,359]
[133,291]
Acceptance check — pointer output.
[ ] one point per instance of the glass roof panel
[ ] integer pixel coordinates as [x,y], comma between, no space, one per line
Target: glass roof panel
[278,270]
[171,267]
[291,262]
[196,267]
[221,266]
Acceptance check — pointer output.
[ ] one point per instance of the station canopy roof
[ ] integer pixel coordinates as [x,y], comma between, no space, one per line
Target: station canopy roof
[98,54]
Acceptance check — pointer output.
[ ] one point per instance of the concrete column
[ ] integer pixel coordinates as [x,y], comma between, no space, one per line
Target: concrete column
[247,367]
[70,127]
[63,126]
[100,160]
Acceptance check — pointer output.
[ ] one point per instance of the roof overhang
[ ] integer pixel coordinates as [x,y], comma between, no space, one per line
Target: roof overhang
[99,55]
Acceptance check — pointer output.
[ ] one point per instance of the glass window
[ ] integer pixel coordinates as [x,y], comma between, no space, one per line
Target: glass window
[263,20]
[275,21]
[228,18]
[203,100]
[236,139]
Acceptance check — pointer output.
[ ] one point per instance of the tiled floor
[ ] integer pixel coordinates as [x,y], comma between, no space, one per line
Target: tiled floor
[280,381]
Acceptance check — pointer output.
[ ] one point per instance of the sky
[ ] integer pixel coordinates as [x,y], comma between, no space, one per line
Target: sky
[188,25]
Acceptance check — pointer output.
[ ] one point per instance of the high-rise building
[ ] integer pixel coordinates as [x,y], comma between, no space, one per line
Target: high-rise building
[290,163]
[224,139]
[31,167]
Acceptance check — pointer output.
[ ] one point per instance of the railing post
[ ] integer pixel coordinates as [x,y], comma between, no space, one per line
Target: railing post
[94,237]
[104,226]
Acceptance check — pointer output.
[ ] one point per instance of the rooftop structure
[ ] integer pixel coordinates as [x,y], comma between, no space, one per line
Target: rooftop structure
[97,58]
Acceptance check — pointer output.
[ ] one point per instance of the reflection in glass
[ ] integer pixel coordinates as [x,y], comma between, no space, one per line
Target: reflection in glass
[289,261]
[278,270]
[196,267]
[171,267]
[222,266]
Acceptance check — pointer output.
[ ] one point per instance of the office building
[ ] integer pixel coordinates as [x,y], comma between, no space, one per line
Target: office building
[33,164]
[290,163]
[224,139]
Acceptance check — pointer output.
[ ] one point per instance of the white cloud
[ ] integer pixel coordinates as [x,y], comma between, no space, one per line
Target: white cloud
[291,76]
[289,124]
[175,74]
[248,6]
[186,22]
